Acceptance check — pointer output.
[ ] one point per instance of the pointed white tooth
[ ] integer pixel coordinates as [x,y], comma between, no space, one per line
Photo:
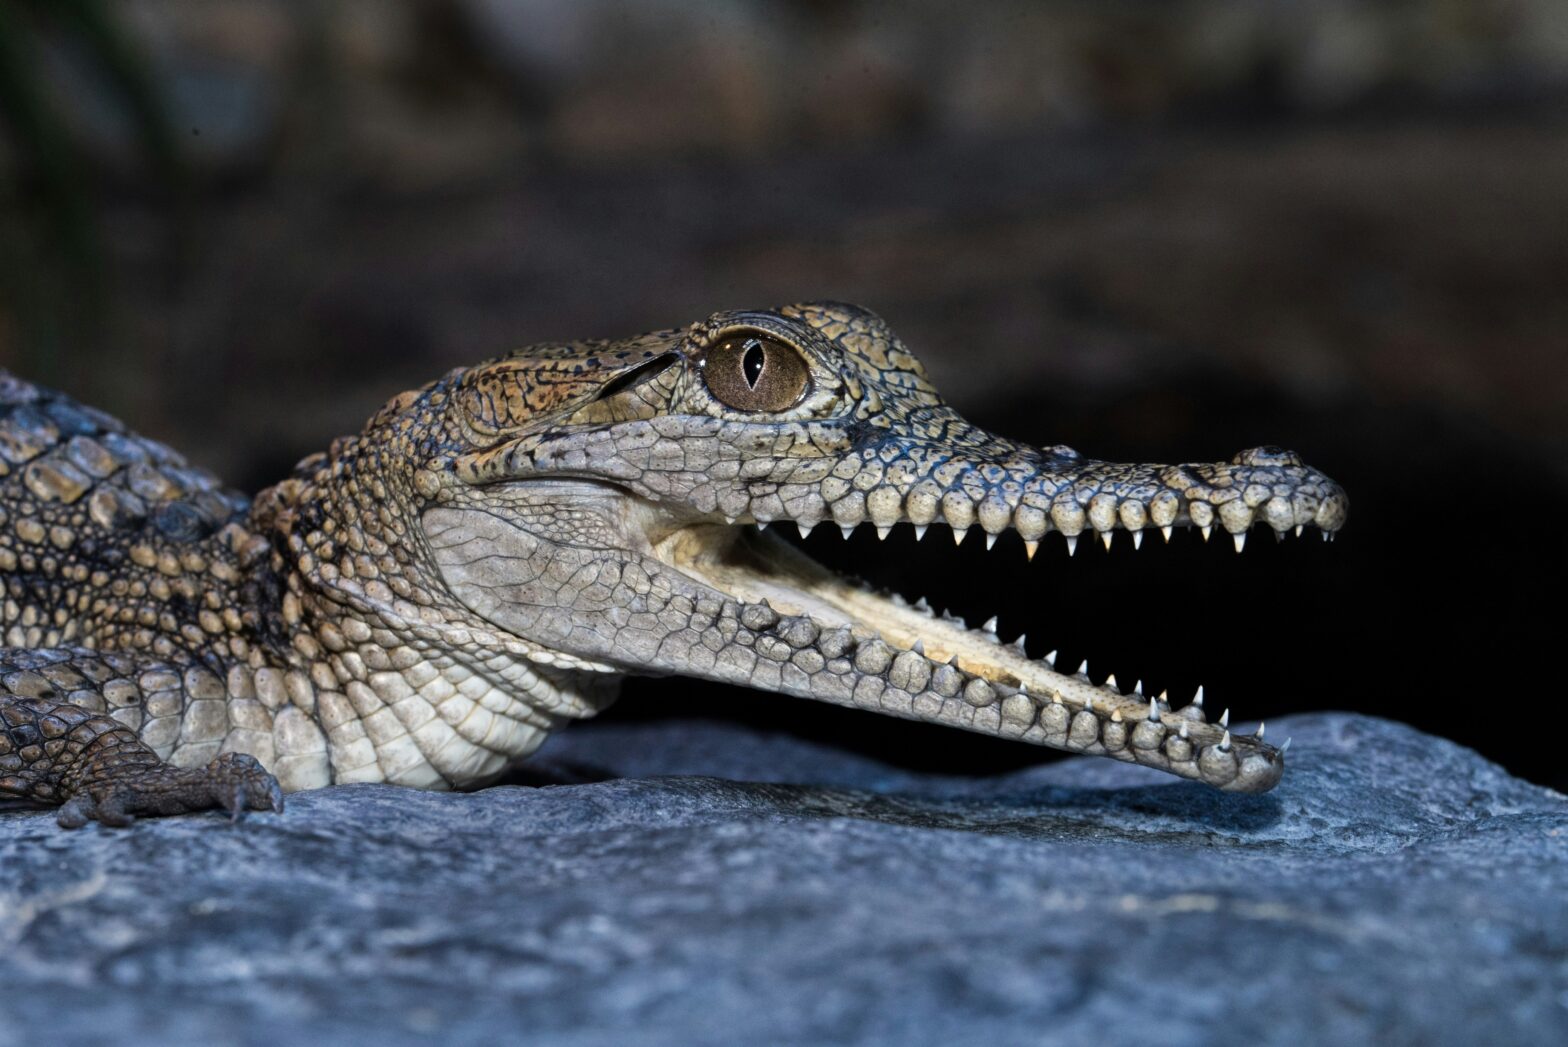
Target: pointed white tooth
[990,540]
[1137,688]
[990,624]
[763,525]
[804,527]
[882,533]
[1225,718]
[1154,711]
[1018,644]
[1261,728]
[920,531]
[1225,743]
[1197,699]
[1072,544]
[1182,730]
[959,536]
[1088,703]
[1299,529]
[953,661]
[919,647]
[1137,540]
[1116,716]
[1050,659]
[846,530]
[1078,671]
[1030,547]
[921,605]
[1105,536]
[1325,535]
[1110,681]
[898,599]
[1284,747]
[1206,528]
[1240,538]
[729,519]
[1166,531]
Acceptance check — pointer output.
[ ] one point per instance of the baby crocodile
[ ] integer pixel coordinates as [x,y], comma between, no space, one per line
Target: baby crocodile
[492,553]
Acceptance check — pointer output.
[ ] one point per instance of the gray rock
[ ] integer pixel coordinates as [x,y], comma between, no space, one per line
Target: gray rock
[1396,888]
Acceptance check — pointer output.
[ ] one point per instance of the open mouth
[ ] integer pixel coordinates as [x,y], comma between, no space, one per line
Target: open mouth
[916,640]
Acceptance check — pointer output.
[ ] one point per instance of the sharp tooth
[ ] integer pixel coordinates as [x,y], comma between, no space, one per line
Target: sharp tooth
[1154,711]
[1166,531]
[1018,644]
[1225,718]
[1197,699]
[1206,528]
[1324,534]
[882,533]
[1110,681]
[1284,747]
[804,527]
[1182,730]
[990,540]
[1240,539]
[1105,536]
[1137,540]
[919,648]
[1225,743]
[920,531]
[959,536]
[847,530]
[729,520]
[1072,544]
[1050,659]
[1116,716]
[1088,703]
[990,625]
[1078,671]
[953,661]
[1056,697]
[1261,728]
[921,605]
[1030,547]
[1137,688]
[1299,529]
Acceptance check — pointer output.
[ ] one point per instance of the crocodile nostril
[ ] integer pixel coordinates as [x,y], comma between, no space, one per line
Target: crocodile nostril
[1267,455]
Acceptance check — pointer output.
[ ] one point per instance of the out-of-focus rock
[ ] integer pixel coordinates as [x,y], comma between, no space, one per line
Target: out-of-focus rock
[749,888]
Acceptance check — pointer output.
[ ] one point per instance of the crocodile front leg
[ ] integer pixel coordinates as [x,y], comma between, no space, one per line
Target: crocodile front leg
[55,751]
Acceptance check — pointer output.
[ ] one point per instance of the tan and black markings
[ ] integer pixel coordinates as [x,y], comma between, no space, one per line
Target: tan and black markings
[427,600]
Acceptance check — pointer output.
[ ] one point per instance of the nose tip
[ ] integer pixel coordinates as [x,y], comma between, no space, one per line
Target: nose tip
[1267,455]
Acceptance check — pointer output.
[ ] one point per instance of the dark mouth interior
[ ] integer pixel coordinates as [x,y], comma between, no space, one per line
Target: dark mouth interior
[1172,616]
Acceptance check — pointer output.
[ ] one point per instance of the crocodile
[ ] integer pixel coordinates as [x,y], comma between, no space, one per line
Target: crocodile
[486,560]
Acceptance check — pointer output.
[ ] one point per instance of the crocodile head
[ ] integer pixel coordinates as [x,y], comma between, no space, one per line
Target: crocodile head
[608,505]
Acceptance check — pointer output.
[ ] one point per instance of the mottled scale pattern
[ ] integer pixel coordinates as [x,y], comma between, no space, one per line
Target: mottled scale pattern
[427,599]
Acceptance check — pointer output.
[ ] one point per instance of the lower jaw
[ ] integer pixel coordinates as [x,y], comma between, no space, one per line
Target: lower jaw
[1025,699]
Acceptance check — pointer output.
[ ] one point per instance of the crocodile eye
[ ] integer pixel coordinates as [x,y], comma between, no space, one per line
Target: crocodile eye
[752,372]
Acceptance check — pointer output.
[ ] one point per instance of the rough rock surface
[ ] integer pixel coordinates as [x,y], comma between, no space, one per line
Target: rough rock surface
[1395,888]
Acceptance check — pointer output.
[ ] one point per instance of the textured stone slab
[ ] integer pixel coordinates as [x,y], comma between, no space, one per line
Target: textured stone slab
[1395,888]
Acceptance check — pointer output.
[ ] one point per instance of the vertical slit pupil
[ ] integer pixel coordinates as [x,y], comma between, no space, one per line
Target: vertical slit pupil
[753,362]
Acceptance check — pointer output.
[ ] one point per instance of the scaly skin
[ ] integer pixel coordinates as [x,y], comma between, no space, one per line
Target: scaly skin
[424,602]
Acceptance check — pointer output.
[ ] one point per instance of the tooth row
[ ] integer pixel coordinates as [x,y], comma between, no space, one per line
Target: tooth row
[1032,545]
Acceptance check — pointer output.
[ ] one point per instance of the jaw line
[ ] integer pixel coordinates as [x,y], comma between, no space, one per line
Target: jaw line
[755,567]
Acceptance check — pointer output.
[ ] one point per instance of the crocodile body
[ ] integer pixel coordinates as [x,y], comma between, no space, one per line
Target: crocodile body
[484,561]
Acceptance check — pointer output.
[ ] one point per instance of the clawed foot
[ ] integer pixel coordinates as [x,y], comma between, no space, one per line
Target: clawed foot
[234,781]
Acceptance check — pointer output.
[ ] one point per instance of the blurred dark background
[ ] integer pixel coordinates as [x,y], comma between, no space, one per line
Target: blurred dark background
[1154,231]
